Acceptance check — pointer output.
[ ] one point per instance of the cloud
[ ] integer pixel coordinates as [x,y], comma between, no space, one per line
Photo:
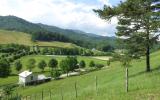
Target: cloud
[61,13]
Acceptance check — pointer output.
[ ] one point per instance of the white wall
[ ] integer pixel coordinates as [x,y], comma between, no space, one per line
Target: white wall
[27,79]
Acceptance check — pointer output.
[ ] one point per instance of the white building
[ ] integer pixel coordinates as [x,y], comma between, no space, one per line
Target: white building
[27,77]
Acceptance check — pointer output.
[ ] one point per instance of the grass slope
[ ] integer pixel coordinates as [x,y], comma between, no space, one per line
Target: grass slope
[142,85]
[14,78]
[7,37]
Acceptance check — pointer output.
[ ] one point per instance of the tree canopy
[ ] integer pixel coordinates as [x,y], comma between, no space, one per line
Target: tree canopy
[31,64]
[4,68]
[138,24]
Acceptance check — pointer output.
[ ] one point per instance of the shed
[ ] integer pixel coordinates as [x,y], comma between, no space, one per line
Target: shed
[27,77]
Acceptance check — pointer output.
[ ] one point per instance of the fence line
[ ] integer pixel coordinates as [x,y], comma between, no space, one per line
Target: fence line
[50,94]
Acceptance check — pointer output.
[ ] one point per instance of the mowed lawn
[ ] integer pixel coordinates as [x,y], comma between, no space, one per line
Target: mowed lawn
[7,37]
[111,84]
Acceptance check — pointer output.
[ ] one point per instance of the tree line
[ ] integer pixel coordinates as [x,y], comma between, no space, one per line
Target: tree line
[66,65]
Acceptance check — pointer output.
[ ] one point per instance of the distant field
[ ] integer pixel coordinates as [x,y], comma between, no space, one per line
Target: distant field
[7,37]
[102,57]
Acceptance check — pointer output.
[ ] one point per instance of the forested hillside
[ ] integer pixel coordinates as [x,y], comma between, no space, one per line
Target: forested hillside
[51,33]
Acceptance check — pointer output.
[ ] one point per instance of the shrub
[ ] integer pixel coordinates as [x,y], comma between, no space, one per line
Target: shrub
[91,64]
[82,64]
[108,62]
[55,74]
[99,65]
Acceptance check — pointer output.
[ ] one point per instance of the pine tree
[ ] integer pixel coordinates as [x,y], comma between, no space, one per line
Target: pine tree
[139,24]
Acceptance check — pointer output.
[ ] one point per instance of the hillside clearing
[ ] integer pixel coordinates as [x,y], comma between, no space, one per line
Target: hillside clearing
[7,37]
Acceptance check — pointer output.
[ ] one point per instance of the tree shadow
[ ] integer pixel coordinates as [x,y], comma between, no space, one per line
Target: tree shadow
[143,72]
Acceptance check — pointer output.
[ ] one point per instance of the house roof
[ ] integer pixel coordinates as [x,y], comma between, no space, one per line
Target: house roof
[25,73]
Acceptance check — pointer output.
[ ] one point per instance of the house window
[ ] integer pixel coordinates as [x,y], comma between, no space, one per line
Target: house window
[31,77]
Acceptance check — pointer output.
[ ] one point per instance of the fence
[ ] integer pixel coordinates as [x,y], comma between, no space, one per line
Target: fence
[51,95]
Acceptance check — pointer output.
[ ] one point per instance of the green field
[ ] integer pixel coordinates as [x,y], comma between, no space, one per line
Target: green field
[111,83]
[7,37]
[14,79]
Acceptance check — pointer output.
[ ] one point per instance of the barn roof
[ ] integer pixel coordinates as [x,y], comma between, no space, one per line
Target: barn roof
[25,73]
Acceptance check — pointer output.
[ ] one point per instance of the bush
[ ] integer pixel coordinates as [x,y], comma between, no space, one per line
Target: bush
[99,65]
[91,64]
[82,64]
[55,74]
[108,62]
[4,68]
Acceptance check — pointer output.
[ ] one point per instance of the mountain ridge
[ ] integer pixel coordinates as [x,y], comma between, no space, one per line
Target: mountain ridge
[78,37]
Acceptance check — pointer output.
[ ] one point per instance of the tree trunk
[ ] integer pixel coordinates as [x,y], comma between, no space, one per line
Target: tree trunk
[126,79]
[148,52]
[148,60]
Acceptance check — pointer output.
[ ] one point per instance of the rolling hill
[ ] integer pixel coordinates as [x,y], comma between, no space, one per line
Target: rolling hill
[7,37]
[76,36]
[111,83]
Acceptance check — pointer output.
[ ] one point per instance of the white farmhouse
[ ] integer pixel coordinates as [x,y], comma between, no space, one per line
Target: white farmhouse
[27,77]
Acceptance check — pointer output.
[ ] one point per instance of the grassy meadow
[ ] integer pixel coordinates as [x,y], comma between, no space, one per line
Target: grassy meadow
[111,82]
[7,37]
[14,77]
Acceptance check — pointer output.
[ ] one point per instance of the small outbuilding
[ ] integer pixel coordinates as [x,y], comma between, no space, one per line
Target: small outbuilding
[27,77]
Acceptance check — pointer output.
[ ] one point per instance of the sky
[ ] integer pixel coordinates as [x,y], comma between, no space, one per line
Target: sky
[67,14]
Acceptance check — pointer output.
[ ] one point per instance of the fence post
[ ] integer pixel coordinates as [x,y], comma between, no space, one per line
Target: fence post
[50,94]
[126,79]
[42,94]
[26,97]
[76,89]
[35,96]
[96,85]
[61,94]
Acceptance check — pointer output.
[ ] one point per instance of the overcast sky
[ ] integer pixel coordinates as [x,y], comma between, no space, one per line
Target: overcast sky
[70,14]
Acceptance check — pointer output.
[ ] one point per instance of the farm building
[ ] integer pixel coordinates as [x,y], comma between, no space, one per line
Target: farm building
[28,78]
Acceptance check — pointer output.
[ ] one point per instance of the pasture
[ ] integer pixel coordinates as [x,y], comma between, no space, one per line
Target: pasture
[7,37]
[14,78]
[111,83]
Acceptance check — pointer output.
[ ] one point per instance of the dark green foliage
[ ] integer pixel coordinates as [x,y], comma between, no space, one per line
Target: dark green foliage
[18,24]
[71,51]
[18,65]
[69,64]
[55,74]
[138,22]
[80,38]
[53,63]
[82,64]
[14,48]
[31,64]
[106,48]
[108,62]
[4,68]
[42,64]
[91,64]
[52,33]
[125,60]
[99,65]
[7,90]
[49,36]
[64,66]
